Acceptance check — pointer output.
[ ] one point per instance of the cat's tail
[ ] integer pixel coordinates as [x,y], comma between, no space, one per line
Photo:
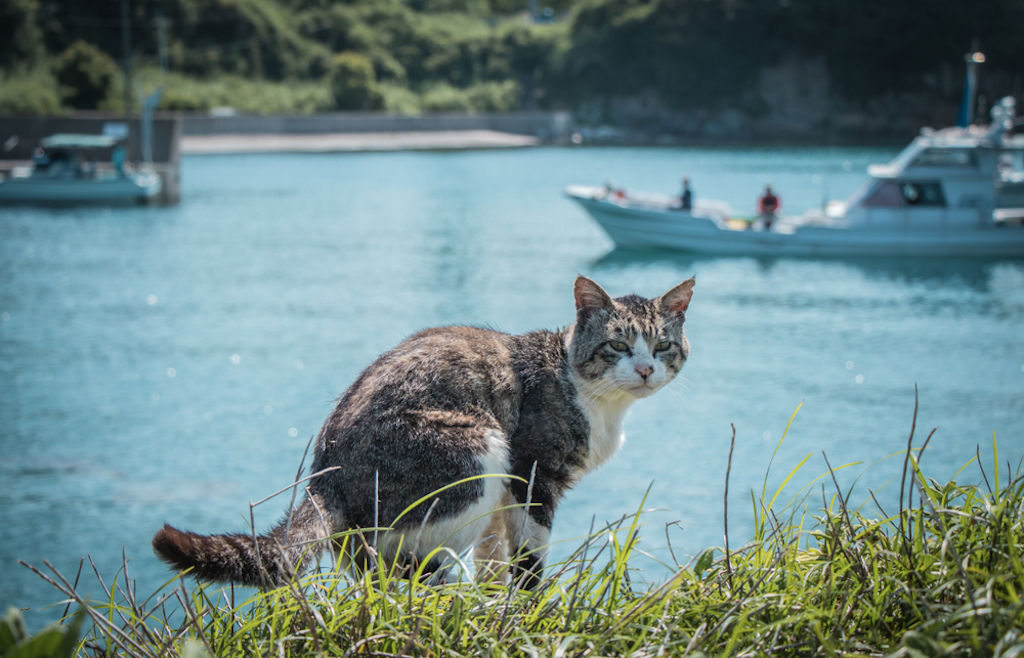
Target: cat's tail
[286,551]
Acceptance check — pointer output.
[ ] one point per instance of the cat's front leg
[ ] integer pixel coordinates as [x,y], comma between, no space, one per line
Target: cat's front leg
[512,545]
[528,528]
[492,551]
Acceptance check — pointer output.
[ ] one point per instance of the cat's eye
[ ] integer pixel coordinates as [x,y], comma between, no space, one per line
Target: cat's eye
[662,346]
[618,346]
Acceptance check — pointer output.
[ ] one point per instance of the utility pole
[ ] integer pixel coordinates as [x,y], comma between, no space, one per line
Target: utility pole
[161,39]
[126,47]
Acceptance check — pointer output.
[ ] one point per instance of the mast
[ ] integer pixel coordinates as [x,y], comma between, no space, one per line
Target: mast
[967,105]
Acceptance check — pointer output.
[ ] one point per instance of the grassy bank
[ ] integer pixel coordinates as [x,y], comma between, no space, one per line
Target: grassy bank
[940,575]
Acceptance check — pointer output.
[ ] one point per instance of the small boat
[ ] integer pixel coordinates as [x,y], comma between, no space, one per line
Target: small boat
[956,191]
[64,171]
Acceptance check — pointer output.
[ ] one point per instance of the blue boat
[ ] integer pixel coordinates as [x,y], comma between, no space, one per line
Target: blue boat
[64,171]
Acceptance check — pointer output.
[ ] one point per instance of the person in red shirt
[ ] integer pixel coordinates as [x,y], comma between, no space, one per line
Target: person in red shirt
[768,207]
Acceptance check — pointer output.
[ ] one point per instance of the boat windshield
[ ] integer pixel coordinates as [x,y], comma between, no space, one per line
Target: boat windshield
[896,193]
[944,157]
[908,154]
[73,141]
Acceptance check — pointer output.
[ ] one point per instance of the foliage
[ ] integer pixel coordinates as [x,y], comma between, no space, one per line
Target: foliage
[420,49]
[53,642]
[185,93]
[86,75]
[483,97]
[21,43]
[29,92]
[939,579]
[925,36]
[354,83]
[399,99]
[708,52]
[256,38]
[683,53]
[691,51]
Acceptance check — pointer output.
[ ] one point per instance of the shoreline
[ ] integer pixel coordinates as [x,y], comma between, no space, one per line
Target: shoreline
[439,140]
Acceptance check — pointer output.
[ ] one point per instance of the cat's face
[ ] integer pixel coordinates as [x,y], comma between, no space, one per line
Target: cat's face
[628,346]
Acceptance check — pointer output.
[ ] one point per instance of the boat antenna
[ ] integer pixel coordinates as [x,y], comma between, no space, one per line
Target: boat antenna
[966,117]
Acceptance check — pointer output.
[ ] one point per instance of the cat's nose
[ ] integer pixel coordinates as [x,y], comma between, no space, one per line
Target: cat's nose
[644,371]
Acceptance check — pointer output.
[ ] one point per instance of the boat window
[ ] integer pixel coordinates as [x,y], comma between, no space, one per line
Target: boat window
[886,195]
[926,193]
[1010,161]
[944,158]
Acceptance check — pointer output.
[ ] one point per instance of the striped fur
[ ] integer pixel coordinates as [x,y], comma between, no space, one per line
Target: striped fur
[454,403]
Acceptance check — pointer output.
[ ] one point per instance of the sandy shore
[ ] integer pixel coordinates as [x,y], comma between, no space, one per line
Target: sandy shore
[354,142]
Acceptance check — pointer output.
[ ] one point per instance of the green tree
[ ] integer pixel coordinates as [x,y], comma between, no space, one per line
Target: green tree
[354,83]
[21,40]
[30,92]
[86,75]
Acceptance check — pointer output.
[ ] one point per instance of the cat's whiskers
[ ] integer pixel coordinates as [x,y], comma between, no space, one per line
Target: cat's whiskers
[680,395]
[594,391]
[683,383]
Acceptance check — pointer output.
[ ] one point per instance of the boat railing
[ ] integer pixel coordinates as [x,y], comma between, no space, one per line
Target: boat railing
[662,202]
[649,200]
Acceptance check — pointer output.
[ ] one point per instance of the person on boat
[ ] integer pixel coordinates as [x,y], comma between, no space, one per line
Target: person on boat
[87,168]
[117,159]
[686,196]
[612,193]
[768,207]
[40,159]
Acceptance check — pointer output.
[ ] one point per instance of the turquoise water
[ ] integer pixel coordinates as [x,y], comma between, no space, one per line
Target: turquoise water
[170,364]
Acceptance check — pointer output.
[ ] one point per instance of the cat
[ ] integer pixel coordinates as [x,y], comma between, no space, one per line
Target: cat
[451,403]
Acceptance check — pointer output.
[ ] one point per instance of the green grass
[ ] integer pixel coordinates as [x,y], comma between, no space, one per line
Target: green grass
[942,575]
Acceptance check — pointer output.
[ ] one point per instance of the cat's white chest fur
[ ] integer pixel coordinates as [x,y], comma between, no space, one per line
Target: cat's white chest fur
[605,416]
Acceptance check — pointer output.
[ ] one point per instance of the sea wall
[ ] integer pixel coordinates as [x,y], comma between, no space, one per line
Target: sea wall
[552,127]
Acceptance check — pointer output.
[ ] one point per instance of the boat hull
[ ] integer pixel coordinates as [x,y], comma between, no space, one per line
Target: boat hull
[633,227]
[39,189]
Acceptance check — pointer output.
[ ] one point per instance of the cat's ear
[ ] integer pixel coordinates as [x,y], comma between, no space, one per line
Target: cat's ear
[589,296]
[676,301]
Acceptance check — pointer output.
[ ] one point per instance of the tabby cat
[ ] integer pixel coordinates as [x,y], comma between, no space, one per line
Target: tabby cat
[451,403]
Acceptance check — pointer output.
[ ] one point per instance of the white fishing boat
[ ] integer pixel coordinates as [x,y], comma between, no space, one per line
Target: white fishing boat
[956,191]
[64,171]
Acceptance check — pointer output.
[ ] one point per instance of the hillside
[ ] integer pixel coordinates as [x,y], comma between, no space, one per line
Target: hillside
[676,66]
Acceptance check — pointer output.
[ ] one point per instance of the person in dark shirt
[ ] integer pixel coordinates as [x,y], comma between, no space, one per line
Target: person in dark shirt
[40,159]
[686,196]
[768,207]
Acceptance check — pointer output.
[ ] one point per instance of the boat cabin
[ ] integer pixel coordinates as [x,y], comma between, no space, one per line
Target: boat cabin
[955,178]
[67,155]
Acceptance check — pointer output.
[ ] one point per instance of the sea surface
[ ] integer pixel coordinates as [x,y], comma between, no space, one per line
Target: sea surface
[171,364]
